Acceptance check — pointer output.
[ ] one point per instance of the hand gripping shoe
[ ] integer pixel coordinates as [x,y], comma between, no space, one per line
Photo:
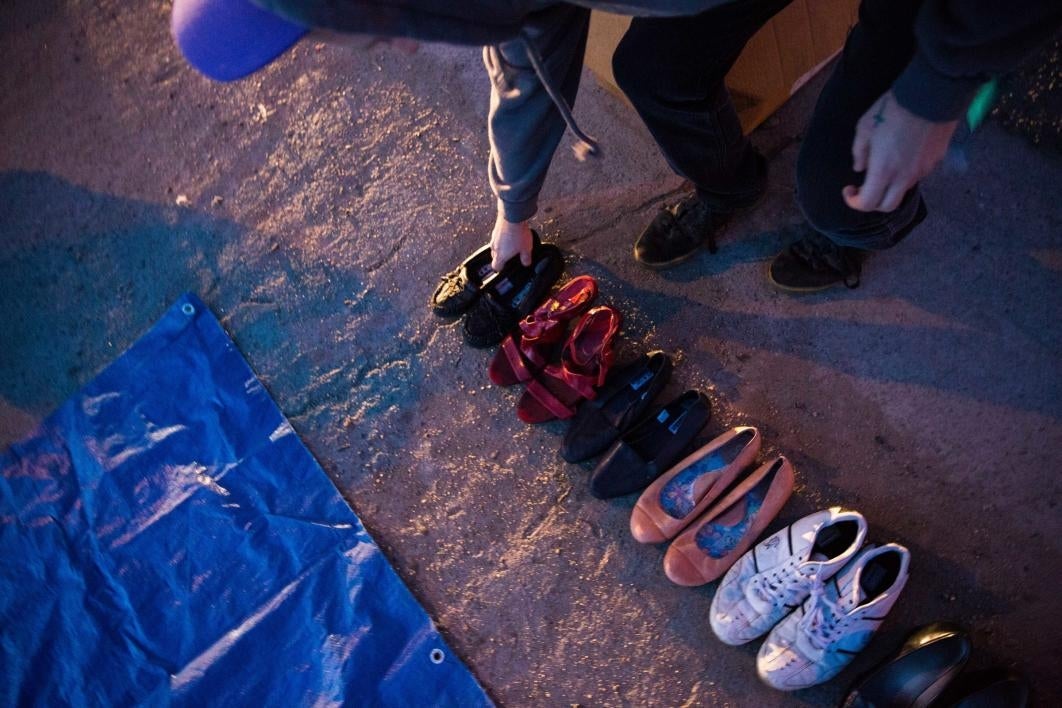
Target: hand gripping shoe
[460,288]
[773,578]
[827,630]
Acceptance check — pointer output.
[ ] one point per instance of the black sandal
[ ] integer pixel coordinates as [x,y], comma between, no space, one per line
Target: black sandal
[510,295]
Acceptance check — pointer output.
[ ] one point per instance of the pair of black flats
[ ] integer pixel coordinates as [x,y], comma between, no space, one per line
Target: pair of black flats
[494,303]
[638,447]
[927,672]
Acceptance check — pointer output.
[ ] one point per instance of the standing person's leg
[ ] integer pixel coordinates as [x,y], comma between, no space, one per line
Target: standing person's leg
[672,69]
[524,125]
[837,237]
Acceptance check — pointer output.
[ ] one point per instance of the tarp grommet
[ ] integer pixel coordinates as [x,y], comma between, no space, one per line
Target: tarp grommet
[189,375]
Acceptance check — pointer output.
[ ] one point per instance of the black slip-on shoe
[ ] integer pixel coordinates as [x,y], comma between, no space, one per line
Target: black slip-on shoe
[678,231]
[510,295]
[649,448]
[628,392]
[815,263]
[459,289]
[992,688]
[918,674]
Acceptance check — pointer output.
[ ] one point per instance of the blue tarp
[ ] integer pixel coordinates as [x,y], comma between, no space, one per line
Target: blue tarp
[165,538]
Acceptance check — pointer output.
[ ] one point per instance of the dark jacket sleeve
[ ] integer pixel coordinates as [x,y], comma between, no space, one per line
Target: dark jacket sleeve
[524,125]
[963,43]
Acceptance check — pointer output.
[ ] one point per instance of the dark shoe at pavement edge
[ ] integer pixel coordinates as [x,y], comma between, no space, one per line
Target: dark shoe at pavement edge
[678,231]
[918,673]
[815,263]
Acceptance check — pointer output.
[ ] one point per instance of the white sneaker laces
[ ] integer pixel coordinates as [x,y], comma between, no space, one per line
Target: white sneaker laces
[823,619]
[782,586]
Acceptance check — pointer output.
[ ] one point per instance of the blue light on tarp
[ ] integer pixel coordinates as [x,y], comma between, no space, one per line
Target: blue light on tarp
[165,538]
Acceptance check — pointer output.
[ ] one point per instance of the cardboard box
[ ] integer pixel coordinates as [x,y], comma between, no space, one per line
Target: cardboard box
[776,62]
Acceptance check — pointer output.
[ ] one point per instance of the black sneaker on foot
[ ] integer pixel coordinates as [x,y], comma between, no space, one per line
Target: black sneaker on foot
[678,231]
[815,263]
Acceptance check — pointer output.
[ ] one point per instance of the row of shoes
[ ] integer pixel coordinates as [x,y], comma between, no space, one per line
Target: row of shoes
[560,348]
[815,588]
[928,670]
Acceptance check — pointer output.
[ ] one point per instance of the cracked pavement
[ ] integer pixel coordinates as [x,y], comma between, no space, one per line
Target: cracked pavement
[326,195]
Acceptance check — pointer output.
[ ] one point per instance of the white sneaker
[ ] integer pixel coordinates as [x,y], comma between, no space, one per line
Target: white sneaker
[776,575]
[825,633]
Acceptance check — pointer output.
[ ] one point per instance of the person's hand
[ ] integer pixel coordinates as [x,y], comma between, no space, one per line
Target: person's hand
[896,149]
[508,240]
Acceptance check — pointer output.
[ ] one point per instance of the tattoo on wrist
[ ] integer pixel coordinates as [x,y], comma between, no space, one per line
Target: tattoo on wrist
[879,117]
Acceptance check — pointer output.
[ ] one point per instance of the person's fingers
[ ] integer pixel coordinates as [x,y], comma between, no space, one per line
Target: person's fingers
[497,259]
[893,196]
[851,196]
[874,185]
[860,148]
[525,255]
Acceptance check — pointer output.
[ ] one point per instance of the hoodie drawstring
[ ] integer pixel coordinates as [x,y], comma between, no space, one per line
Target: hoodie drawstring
[586,145]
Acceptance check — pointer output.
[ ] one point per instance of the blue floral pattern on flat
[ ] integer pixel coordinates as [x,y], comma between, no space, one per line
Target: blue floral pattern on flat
[676,498]
[717,540]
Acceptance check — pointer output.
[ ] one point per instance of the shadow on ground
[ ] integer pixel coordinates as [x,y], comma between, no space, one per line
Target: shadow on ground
[325,197]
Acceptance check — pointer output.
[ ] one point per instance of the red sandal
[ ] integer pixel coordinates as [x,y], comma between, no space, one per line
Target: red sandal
[527,350]
[557,390]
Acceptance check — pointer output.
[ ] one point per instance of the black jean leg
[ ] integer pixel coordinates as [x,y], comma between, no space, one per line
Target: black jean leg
[878,49]
[672,70]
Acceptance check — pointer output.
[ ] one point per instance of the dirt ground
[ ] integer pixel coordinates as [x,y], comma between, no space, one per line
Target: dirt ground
[315,205]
